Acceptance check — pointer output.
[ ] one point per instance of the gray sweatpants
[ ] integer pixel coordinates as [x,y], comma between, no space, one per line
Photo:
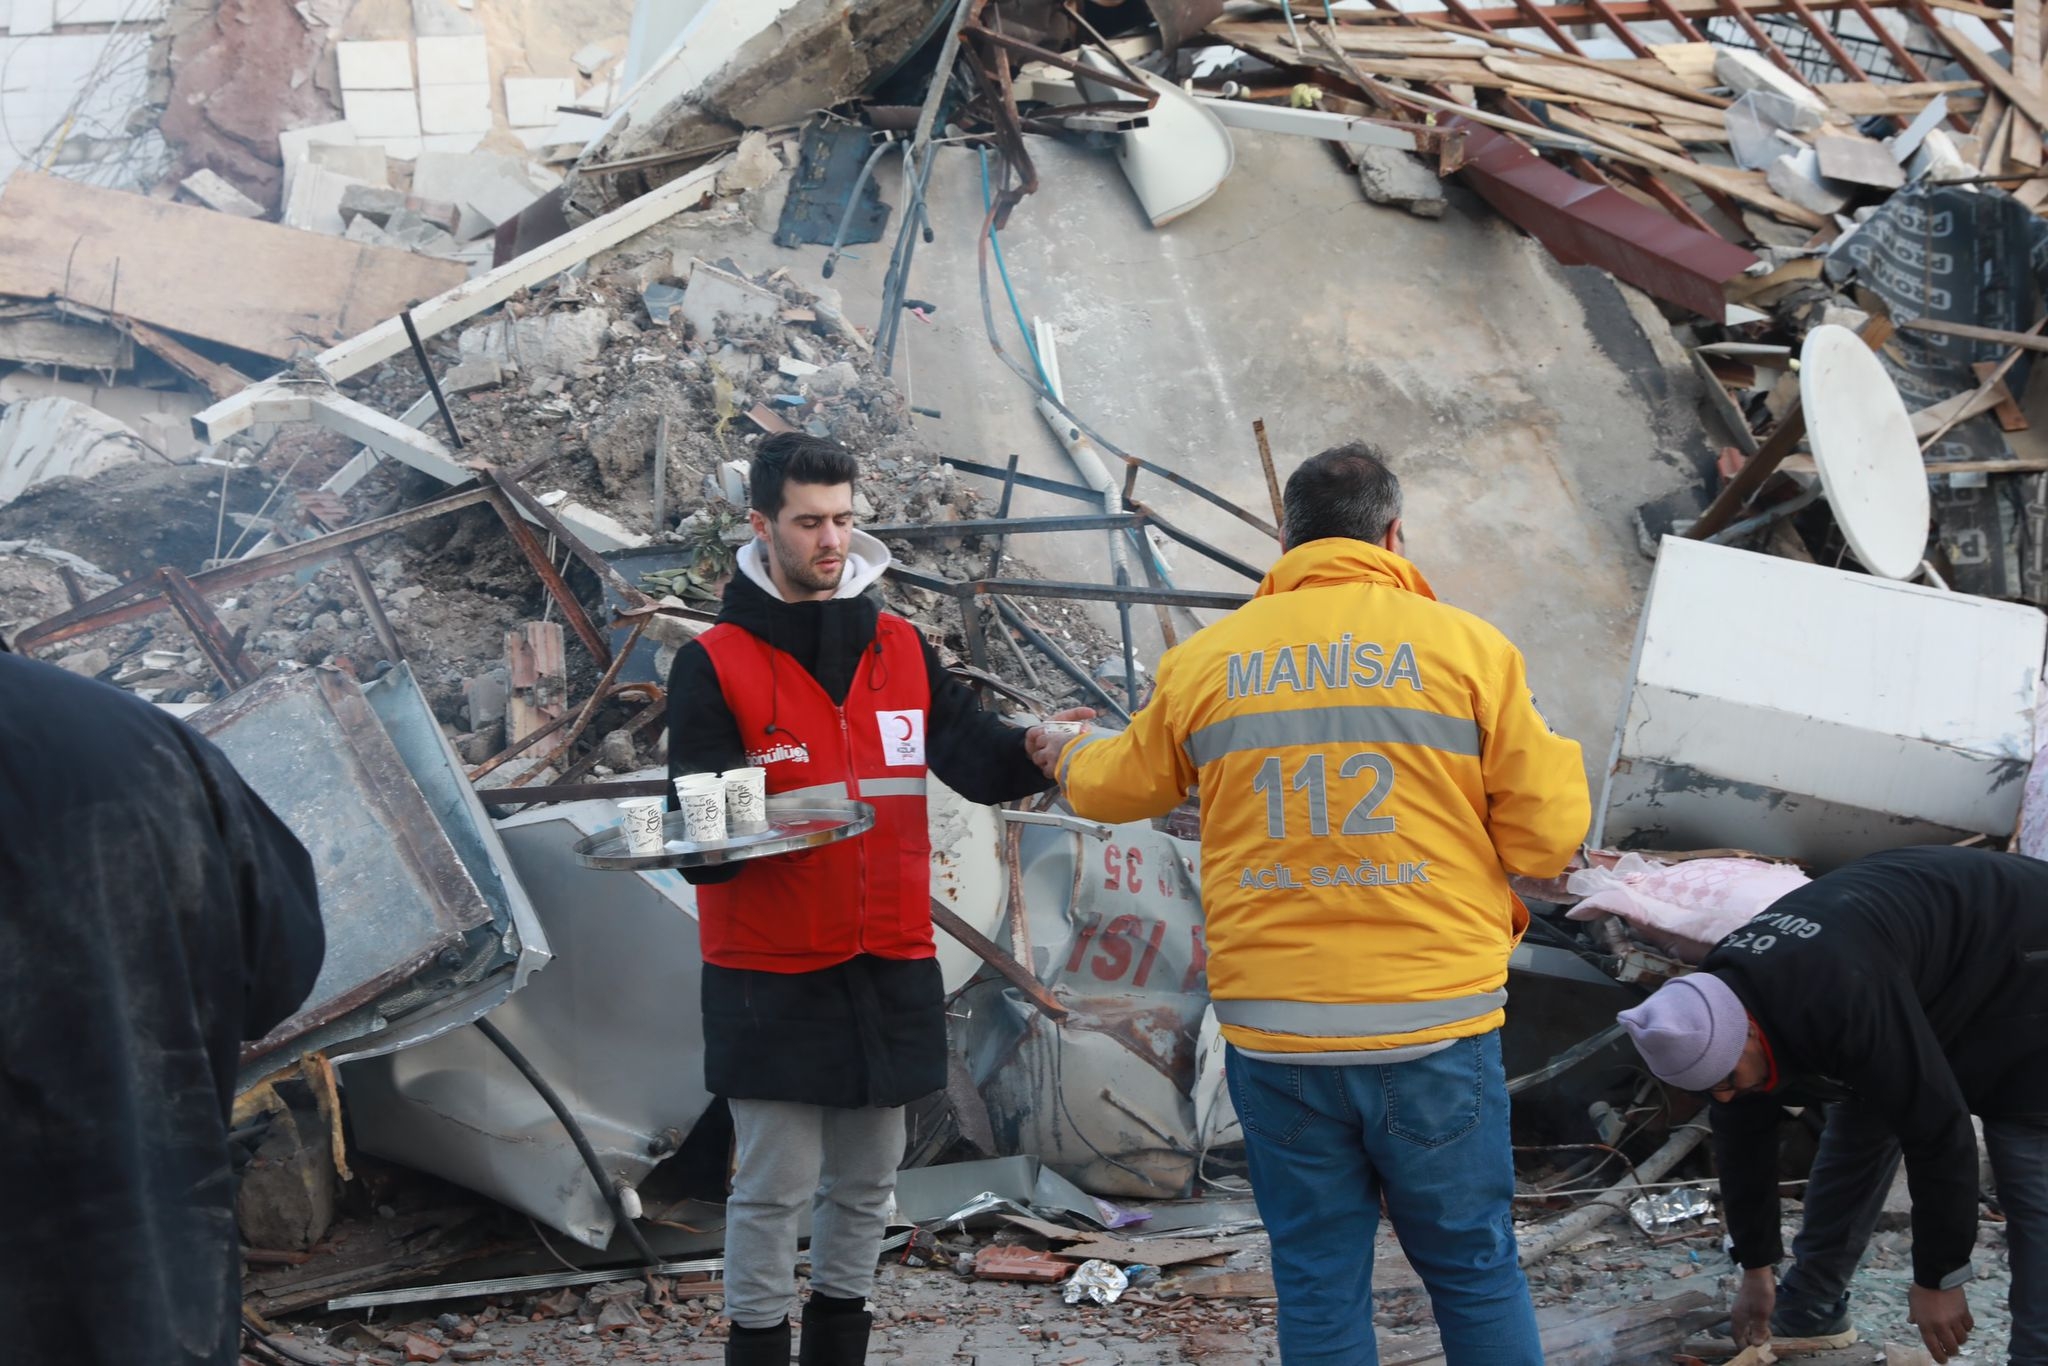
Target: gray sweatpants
[843,1163]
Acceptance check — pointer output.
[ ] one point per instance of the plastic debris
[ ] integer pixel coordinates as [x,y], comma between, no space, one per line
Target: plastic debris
[1653,1212]
[1100,1281]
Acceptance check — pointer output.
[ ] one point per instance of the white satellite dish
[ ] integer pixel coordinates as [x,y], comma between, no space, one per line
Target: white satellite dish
[1865,450]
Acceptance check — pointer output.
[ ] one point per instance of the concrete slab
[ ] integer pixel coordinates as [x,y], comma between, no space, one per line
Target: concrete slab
[315,199]
[364,162]
[455,109]
[213,190]
[377,115]
[1529,410]
[382,65]
[454,61]
[536,101]
[452,144]
[491,186]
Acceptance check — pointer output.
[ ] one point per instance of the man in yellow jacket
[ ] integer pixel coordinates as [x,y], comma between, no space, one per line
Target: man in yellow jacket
[1371,767]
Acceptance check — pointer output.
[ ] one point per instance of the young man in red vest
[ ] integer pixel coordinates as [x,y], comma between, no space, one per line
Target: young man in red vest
[823,1009]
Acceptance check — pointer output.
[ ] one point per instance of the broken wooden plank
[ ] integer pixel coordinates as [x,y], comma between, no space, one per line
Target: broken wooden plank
[1746,186]
[276,291]
[2026,341]
[1606,89]
[1690,64]
[1638,72]
[1995,392]
[540,682]
[1863,99]
[2033,103]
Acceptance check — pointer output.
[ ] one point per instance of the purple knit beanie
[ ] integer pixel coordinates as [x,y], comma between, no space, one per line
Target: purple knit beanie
[1690,1031]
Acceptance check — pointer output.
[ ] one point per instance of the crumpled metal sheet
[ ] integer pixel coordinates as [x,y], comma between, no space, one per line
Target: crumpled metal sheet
[1097,1281]
[420,919]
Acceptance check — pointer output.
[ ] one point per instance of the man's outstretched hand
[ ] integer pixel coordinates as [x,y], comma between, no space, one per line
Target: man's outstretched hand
[1044,743]
[1943,1318]
[1754,1301]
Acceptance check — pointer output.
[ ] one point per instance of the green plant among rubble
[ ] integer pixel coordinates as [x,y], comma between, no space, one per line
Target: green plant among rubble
[711,538]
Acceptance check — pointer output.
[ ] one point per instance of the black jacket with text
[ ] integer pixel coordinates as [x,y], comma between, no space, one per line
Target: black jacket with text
[1914,985]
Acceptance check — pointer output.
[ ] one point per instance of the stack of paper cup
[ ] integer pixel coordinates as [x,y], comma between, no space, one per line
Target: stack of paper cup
[702,797]
[641,822]
[746,800]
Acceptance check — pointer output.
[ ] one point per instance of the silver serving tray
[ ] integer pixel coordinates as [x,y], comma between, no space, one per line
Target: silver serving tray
[793,823]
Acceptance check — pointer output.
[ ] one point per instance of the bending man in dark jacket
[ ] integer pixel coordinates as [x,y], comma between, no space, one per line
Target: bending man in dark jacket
[823,1009]
[1911,988]
[154,914]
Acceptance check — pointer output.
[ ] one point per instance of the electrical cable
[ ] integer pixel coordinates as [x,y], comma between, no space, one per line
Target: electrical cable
[547,1093]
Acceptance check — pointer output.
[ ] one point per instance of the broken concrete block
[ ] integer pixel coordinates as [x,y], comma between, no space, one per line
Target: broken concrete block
[90,663]
[368,233]
[1796,176]
[1743,71]
[455,108]
[314,201]
[471,375]
[214,191]
[715,294]
[618,751]
[408,230]
[537,101]
[754,164]
[60,438]
[383,65]
[491,188]
[357,161]
[1396,178]
[591,56]
[551,344]
[597,530]
[374,202]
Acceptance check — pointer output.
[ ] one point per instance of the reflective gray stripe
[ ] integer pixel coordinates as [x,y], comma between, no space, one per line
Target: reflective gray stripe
[1087,739]
[835,792]
[892,787]
[1355,1020]
[1354,1057]
[1361,724]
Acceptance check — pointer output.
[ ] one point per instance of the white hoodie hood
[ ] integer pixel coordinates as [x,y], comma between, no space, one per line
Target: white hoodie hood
[866,558]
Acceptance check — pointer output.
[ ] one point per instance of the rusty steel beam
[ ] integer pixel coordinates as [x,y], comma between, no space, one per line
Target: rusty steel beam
[991,953]
[1584,225]
[144,597]
[1739,12]
[1539,15]
[571,542]
[1672,202]
[1837,54]
[1670,14]
[215,643]
[1621,30]
[550,577]
[373,607]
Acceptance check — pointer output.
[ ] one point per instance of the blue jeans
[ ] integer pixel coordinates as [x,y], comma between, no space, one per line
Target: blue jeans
[1325,1144]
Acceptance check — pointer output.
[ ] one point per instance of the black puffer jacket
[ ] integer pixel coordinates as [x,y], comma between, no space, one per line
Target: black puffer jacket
[869,1031]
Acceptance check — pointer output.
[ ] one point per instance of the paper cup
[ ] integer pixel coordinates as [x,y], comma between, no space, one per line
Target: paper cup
[700,782]
[641,822]
[704,813]
[746,800]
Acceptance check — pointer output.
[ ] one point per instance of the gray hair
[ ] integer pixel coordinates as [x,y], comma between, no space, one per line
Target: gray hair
[1347,491]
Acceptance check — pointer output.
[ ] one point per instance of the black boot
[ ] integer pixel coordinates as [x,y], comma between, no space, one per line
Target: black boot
[758,1346]
[835,1332]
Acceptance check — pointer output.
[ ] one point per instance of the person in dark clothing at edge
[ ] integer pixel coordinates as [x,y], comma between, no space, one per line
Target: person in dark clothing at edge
[823,1009]
[154,914]
[1908,991]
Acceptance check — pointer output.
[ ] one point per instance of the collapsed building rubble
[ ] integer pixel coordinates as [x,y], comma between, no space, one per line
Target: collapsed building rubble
[438,564]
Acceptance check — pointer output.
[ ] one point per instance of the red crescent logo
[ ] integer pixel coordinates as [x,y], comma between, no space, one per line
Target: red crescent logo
[905,721]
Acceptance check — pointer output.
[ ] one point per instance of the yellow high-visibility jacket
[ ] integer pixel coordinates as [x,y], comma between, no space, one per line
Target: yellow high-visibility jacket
[1371,766]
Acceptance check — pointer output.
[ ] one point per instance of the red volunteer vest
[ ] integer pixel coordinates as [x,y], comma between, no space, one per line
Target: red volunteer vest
[805,911]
